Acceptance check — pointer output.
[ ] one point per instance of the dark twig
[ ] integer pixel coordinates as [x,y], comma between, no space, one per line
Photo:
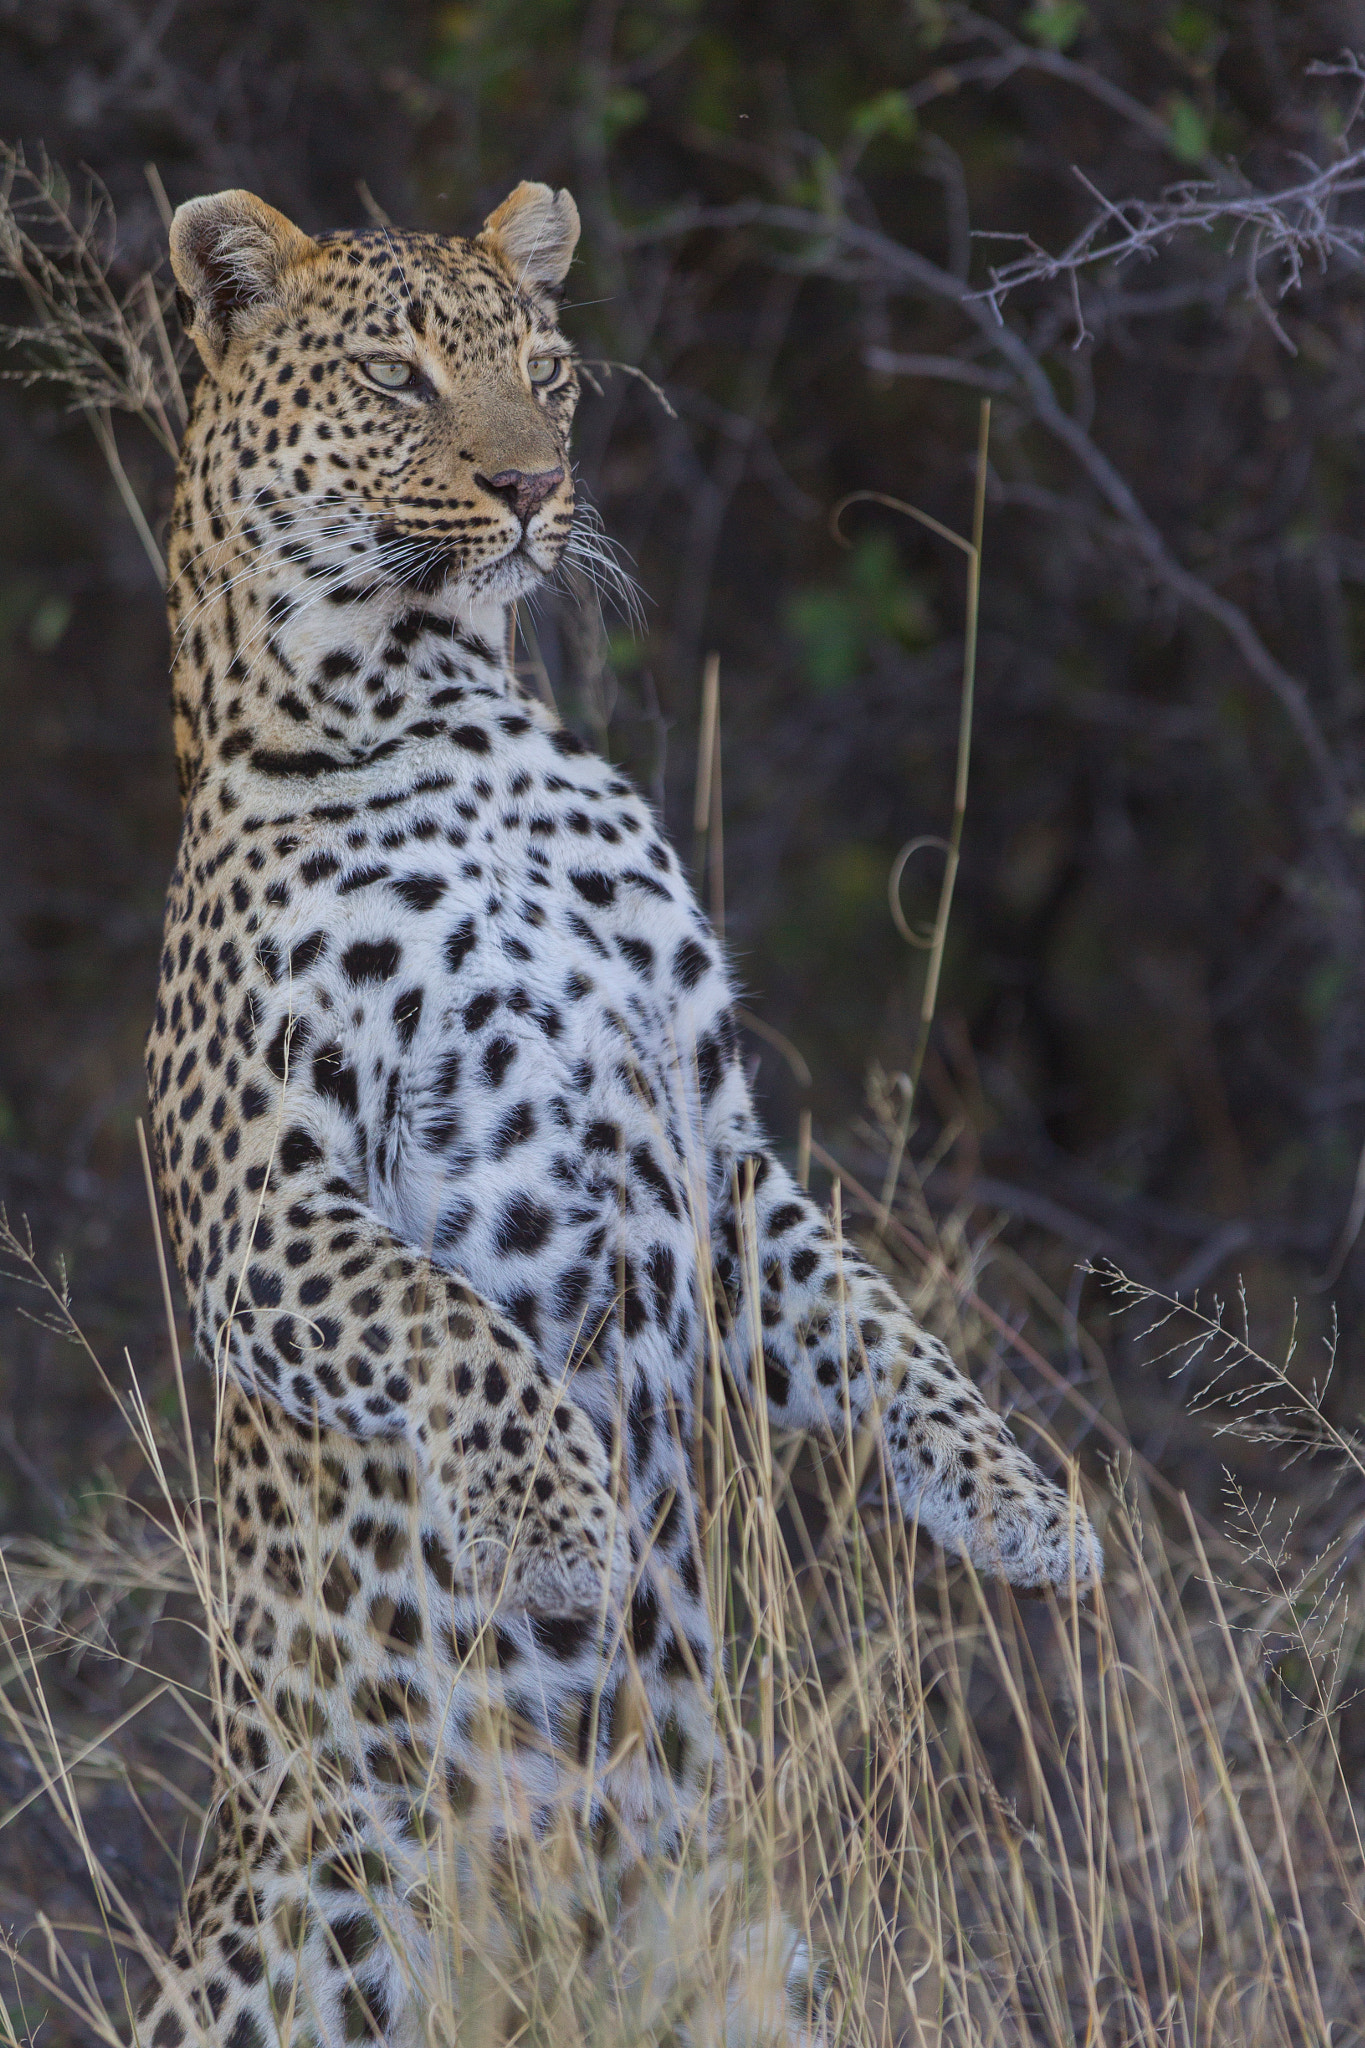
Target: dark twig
[839,246]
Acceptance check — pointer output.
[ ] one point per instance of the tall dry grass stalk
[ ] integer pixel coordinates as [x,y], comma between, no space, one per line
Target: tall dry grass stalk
[102,348]
[1125,1819]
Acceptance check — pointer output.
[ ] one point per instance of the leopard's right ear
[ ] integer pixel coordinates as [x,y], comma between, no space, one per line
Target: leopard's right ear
[230,253]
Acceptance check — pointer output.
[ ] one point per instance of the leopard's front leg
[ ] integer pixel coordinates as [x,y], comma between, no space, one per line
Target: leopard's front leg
[831,1345]
[526,1474]
[313,1301]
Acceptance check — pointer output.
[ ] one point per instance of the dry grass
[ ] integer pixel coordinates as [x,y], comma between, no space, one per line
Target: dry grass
[1125,1819]
[103,350]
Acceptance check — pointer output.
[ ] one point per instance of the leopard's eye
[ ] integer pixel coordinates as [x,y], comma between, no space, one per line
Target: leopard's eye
[388,373]
[542,369]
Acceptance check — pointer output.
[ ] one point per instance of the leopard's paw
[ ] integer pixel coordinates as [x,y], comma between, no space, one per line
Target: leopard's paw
[976,1492]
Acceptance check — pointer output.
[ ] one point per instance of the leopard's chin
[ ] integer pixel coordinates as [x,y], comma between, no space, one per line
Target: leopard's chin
[511,576]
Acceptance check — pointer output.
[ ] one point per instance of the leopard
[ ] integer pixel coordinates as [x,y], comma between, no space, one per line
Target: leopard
[457,1154]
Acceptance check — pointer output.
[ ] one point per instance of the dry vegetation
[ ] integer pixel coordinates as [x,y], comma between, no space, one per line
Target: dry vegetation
[1126,1819]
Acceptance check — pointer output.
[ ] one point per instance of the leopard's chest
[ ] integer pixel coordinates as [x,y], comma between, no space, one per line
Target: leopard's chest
[540,1127]
[479,989]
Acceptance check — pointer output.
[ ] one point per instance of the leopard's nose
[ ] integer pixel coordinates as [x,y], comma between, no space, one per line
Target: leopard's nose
[521,491]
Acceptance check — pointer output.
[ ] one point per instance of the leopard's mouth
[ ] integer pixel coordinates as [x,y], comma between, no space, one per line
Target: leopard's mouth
[427,562]
[423,562]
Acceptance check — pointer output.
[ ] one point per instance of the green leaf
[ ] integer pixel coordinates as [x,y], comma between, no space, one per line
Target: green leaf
[455,55]
[718,87]
[51,617]
[624,108]
[624,651]
[932,22]
[838,624]
[1056,23]
[890,114]
[459,24]
[1188,130]
[1193,31]
[828,625]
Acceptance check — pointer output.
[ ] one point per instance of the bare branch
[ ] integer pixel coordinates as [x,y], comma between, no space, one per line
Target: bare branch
[833,245]
[1296,226]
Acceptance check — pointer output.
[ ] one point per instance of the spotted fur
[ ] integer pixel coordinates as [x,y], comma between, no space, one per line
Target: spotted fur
[455,1144]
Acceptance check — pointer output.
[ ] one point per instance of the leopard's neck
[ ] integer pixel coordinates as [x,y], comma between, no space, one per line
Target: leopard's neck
[291,664]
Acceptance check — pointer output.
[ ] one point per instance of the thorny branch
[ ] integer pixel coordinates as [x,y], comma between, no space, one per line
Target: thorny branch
[1296,225]
[834,245]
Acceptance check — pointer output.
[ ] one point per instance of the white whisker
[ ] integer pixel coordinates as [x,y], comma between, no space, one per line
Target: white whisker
[589,550]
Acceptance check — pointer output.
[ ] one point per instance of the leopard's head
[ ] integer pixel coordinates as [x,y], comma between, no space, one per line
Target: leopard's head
[395,407]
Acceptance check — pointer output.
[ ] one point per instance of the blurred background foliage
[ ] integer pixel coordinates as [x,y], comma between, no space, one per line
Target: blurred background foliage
[1149,1044]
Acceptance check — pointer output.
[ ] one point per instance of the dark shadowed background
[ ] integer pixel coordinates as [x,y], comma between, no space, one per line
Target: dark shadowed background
[1149,1043]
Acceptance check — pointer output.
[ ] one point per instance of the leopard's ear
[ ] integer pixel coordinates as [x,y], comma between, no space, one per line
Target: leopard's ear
[534,234]
[230,253]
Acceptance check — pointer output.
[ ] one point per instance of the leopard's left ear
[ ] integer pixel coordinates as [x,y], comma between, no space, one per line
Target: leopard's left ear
[534,234]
